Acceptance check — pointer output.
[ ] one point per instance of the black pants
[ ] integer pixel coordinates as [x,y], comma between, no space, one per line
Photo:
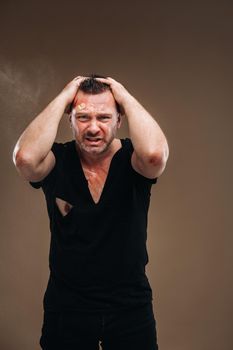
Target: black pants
[134,329]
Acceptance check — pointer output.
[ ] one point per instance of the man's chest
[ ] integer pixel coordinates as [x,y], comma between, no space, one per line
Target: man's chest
[96,180]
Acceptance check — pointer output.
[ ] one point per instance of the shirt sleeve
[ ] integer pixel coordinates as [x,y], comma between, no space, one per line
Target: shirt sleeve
[138,176]
[51,177]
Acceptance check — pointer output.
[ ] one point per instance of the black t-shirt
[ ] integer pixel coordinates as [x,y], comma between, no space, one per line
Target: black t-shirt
[98,251]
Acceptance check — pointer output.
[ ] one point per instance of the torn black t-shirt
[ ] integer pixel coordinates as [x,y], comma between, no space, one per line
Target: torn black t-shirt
[98,252]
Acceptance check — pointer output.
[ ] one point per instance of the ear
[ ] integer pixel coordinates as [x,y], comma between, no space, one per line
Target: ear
[70,121]
[68,108]
[119,120]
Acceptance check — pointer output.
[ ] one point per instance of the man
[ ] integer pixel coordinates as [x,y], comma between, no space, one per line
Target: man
[97,189]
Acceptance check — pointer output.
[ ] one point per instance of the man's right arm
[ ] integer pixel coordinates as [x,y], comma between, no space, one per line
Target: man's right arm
[32,153]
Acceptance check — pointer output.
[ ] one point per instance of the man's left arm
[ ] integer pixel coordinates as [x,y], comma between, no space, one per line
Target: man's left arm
[150,145]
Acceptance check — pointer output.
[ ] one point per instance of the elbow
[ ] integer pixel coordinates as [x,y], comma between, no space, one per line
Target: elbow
[19,159]
[160,157]
[156,161]
[24,165]
[22,160]
[16,157]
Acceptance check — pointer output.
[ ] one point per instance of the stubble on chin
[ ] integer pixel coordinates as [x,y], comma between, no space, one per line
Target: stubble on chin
[94,150]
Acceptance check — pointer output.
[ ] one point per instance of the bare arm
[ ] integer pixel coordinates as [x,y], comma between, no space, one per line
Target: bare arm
[150,145]
[151,149]
[32,153]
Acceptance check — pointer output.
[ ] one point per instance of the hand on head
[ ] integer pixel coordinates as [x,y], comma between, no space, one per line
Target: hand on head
[71,90]
[120,94]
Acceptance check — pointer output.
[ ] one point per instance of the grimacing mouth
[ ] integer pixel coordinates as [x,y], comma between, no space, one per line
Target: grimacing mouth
[93,138]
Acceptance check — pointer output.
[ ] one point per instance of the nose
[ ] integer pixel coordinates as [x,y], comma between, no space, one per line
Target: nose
[93,127]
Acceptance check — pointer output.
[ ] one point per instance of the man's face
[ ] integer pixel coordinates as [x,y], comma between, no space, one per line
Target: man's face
[94,121]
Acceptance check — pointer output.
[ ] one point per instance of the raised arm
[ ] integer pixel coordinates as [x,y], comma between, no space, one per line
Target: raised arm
[32,153]
[150,145]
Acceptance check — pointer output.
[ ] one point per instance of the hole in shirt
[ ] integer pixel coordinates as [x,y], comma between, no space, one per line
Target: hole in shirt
[63,206]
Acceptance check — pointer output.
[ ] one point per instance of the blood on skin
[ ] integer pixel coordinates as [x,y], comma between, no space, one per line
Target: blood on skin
[154,160]
[81,106]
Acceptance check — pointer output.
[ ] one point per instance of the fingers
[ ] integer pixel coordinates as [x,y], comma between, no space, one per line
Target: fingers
[103,80]
[108,80]
[78,80]
[79,77]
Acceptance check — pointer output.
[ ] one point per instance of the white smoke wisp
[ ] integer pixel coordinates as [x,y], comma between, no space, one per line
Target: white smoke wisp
[13,82]
[21,89]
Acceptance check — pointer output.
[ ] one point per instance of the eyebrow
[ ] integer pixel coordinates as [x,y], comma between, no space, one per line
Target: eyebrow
[86,113]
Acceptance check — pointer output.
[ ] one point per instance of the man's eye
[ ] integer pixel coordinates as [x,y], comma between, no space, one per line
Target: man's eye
[104,117]
[82,117]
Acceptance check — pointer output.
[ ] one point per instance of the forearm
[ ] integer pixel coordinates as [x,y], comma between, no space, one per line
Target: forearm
[36,141]
[147,137]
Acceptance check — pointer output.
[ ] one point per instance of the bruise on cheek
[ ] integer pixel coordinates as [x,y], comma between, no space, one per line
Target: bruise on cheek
[81,106]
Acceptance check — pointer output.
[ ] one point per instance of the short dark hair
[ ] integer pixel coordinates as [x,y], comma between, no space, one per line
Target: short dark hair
[92,86]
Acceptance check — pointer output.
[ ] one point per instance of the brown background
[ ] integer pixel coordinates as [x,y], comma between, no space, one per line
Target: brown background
[175,57]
